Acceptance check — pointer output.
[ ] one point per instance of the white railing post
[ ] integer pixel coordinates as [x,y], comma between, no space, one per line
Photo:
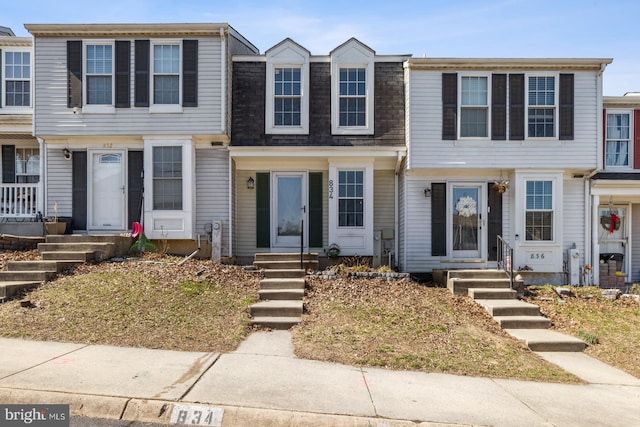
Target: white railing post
[19,201]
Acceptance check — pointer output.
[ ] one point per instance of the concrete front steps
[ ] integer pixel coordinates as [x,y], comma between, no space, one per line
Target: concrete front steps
[59,253]
[491,289]
[282,289]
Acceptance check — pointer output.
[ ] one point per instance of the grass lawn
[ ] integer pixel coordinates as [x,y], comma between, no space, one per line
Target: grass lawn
[614,325]
[202,306]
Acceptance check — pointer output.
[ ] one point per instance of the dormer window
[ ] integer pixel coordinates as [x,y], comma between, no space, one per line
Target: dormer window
[353,97]
[287,89]
[287,96]
[352,94]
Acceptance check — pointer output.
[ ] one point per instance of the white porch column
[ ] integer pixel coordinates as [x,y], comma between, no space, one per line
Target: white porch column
[595,247]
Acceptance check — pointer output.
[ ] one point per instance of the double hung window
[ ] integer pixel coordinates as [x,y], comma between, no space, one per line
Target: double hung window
[618,140]
[541,106]
[99,74]
[539,211]
[287,96]
[167,178]
[350,198]
[353,97]
[474,107]
[17,79]
[166,74]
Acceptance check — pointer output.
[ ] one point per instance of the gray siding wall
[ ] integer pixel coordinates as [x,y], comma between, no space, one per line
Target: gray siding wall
[428,150]
[415,223]
[574,215]
[417,228]
[384,201]
[59,186]
[248,119]
[635,244]
[52,117]
[212,189]
[245,215]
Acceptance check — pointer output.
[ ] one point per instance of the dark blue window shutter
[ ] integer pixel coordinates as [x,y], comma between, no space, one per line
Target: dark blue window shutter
[438,219]
[495,221]
[499,107]
[8,164]
[190,73]
[123,75]
[74,73]
[315,209]
[516,107]
[263,214]
[79,190]
[566,96]
[449,105]
[142,64]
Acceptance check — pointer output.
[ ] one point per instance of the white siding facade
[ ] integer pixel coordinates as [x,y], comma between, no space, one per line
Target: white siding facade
[482,161]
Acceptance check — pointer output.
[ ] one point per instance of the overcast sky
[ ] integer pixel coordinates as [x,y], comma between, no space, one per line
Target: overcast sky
[453,28]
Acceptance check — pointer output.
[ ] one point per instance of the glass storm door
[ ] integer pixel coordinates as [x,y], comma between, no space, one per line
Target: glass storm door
[289,209]
[107,200]
[466,221]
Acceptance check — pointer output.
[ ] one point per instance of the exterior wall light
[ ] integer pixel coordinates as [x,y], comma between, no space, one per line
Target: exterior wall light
[251,183]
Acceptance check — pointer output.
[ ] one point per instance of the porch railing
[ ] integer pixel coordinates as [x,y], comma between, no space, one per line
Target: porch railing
[18,200]
[505,258]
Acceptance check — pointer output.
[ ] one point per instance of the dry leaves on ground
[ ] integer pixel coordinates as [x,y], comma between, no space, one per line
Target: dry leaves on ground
[614,323]
[150,302]
[404,325]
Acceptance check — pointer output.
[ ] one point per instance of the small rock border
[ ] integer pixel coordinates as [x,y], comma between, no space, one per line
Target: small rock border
[329,275]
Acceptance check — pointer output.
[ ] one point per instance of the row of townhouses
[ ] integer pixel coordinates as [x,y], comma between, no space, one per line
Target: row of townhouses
[420,163]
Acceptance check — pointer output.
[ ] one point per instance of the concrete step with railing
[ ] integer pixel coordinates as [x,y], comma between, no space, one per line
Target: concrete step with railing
[282,289]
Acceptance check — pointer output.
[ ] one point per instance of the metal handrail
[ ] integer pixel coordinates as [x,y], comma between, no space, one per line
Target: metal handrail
[505,259]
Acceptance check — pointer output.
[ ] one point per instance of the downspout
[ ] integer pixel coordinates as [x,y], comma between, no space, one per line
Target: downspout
[396,216]
[224,93]
[590,247]
[231,210]
[42,197]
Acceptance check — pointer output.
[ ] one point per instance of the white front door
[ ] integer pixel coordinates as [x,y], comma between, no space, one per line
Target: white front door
[107,198]
[289,210]
[466,221]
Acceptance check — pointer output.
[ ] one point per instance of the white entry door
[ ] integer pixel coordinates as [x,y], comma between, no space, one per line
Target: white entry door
[466,221]
[107,200]
[289,210]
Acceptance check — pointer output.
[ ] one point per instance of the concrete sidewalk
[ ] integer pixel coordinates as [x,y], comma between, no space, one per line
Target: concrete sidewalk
[263,383]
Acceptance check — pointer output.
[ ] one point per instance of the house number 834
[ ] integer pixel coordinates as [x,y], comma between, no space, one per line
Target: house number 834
[331,189]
